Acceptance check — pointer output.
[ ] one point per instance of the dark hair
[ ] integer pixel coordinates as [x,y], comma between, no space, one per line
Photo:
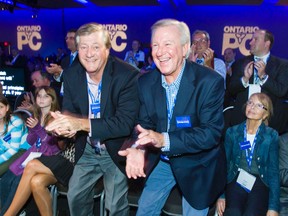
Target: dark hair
[72,30]
[54,105]
[269,37]
[7,117]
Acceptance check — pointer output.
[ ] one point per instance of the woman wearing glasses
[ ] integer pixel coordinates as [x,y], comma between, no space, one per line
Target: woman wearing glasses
[252,163]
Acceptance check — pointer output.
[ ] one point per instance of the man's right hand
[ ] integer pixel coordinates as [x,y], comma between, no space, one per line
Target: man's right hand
[54,69]
[134,162]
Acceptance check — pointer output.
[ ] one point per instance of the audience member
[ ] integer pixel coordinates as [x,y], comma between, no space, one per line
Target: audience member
[104,96]
[229,59]
[40,141]
[150,66]
[16,60]
[135,57]
[201,53]
[57,70]
[181,145]
[13,135]
[268,75]
[252,163]
[38,175]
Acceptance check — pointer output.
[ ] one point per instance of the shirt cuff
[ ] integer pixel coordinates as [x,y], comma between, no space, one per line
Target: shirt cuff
[263,81]
[58,78]
[166,142]
[245,84]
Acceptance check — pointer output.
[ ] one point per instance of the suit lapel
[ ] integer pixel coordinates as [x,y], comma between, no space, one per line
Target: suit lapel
[106,83]
[184,94]
[83,92]
[160,103]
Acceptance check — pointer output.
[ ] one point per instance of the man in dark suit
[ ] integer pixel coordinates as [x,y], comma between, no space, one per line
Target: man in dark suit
[69,60]
[180,124]
[261,72]
[102,93]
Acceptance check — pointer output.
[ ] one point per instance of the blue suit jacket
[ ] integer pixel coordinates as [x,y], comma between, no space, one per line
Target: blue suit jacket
[119,105]
[196,159]
[267,158]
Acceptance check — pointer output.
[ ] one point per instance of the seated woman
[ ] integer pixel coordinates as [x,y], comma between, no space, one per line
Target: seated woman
[40,141]
[252,163]
[38,175]
[13,133]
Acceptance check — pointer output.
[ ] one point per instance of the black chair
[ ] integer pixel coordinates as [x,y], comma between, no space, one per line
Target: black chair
[59,190]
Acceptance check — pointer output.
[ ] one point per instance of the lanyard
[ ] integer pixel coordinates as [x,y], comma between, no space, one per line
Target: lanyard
[249,156]
[93,99]
[170,107]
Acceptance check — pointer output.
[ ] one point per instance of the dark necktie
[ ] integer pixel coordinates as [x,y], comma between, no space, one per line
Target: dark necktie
[71,59]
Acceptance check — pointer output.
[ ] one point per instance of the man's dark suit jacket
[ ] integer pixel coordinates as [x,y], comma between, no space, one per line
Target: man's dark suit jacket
[119,105]
[276,88]
[196,158]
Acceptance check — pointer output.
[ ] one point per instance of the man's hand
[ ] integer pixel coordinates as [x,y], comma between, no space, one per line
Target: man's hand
[149,137]
[248,71]
[220,206]
[208,56]
[134,162]
[54,69]
[67,126]
[272,213]
[193,56]
[260,67]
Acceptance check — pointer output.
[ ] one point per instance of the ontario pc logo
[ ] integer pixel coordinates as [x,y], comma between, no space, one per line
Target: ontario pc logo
[29,35]
[238,37]
[118,37]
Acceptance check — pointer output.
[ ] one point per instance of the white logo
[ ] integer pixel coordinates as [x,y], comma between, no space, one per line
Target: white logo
[117,36]
[237,37]
[29,35]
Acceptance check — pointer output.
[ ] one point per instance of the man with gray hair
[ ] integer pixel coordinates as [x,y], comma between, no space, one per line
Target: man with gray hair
[202,54]
[102,94]
[179,127]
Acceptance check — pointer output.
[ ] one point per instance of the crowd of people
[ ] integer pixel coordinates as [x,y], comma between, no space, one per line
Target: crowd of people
[156,115]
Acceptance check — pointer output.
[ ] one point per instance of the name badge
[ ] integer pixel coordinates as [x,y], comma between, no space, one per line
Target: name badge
[246,180]
[95,108]
[245,145]
[183,122]
[7,137]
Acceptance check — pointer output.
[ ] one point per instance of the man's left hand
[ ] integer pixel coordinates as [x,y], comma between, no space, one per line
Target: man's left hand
[149,137]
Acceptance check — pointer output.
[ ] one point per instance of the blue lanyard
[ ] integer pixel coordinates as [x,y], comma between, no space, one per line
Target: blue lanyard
[93,99]
[170,108]
[250,156]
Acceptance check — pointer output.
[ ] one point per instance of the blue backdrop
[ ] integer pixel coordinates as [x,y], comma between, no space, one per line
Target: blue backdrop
[229,26]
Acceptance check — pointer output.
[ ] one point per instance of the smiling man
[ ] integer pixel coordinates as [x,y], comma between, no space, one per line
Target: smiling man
[103,94]
[179,127]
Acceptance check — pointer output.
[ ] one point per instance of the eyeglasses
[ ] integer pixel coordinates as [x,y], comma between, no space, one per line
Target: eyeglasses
[201,41]
[256,105]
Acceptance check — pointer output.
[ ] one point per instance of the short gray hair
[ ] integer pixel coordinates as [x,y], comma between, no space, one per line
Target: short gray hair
[182,27]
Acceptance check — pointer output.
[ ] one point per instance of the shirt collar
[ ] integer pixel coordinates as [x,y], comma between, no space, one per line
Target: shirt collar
[176,82]
[264,58]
